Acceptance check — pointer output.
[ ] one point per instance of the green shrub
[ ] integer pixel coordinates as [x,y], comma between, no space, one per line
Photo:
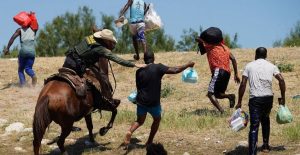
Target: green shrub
[285,67]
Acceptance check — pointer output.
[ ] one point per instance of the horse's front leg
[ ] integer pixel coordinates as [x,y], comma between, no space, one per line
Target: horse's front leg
[112,119]
[89,124]
[104,130]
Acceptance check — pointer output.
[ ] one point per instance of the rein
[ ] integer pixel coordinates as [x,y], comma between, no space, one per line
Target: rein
[112,72]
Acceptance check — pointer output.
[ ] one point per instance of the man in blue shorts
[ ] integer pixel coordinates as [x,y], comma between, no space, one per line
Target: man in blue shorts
[148,83]
[138,9]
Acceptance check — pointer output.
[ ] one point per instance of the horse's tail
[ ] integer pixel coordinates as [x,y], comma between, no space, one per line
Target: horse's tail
[41,120]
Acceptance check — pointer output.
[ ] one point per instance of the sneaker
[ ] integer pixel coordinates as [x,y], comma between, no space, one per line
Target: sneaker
[231,100]
[136,57]
[265,148]
[34,81]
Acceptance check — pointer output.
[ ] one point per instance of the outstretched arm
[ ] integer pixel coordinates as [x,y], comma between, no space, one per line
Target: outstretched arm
[125,8]
[103,52]
[11,40]
[178,69]
[242,91]
[234,65]
[282,88]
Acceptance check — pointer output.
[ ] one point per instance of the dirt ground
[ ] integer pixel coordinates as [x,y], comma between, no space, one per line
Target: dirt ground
[18,104]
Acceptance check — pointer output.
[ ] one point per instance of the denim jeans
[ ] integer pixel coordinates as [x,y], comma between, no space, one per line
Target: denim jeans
[25,63]
[259,109]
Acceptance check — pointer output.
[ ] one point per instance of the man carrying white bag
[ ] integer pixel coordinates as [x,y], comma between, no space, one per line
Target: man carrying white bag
[260,73]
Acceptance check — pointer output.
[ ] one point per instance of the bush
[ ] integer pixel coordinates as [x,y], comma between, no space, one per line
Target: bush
[285,67]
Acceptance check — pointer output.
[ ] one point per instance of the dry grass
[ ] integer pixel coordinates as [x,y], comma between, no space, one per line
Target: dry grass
[190,122]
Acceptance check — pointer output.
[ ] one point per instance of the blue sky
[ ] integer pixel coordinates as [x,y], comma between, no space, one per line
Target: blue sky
[257,22]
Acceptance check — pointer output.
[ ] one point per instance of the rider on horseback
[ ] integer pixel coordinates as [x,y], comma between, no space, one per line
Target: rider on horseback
[87,53]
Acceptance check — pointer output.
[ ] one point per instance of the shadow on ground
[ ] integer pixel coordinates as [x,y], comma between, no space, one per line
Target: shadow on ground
[133,145]
[209,112]
[80,146]
[242,150]
[8,85]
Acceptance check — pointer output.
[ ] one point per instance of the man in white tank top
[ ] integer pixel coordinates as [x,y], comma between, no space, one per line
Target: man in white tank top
[260,73]
[26,55]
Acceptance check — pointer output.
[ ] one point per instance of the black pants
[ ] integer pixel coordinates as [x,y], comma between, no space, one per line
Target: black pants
[259,108]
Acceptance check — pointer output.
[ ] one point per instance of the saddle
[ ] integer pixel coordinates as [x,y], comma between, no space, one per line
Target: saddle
[68,75]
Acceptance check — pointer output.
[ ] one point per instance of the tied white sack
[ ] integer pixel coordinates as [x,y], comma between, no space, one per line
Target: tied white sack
[121,21]
[152,19]
[132,96]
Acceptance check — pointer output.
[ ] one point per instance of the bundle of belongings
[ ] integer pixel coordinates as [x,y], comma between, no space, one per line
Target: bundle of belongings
[25,19]
[239,120]
[152,19]
[284,115]
[212,35]
[121,21]
[132,96]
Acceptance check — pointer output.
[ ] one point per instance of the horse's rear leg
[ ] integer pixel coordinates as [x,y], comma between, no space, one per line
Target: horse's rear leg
[89,124]
[65,131]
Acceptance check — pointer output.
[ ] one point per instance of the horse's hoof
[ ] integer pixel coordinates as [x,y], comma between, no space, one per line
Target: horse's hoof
[75,129]
[103,131]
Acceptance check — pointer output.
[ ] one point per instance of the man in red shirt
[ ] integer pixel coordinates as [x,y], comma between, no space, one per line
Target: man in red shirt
[219,57]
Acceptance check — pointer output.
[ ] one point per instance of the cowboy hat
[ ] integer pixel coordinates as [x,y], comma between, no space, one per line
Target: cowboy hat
[105,34]
[121,21]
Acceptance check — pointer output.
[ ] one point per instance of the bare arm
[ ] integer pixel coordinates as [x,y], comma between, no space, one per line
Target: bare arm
[125,8]
[178,69]
[242,91]
[11,40]
[234,65]
[282,88]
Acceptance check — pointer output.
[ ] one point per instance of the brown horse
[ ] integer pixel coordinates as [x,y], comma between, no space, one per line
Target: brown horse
[58,102]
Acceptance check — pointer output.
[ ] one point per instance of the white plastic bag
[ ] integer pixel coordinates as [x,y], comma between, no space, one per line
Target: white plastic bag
[152,19]
[190,76]
[132,96]
[239,120]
